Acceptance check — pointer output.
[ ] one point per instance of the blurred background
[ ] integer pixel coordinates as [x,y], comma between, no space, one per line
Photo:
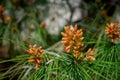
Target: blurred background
[25,22]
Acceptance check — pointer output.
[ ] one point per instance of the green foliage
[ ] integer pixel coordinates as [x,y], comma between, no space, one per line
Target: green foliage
[56,64]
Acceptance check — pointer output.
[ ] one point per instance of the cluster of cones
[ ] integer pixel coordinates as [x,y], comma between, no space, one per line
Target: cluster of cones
[37,53]
[6,19]
[72,40]
[112,31]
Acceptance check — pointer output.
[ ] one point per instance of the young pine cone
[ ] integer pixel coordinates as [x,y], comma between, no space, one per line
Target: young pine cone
[72,40]
[112,31]
[37,54]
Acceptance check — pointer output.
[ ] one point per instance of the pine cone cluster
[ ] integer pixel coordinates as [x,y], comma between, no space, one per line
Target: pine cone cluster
[6,19]
[37,53]
[72,39]
[113,32]
[1,11]
[90,55]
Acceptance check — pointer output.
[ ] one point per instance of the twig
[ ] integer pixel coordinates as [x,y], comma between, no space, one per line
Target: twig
[51,53]
[20,68]
[26,74]
[49,61]
[54,46]
[72,9]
